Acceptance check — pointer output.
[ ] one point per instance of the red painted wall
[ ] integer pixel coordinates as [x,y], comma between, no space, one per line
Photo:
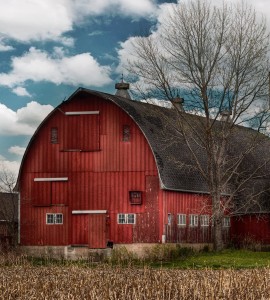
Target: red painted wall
[97,180]
[175,203]
[251,228]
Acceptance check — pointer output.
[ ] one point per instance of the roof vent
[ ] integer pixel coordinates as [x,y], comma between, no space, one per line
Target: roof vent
[122,89]
[225,115]
[178,103]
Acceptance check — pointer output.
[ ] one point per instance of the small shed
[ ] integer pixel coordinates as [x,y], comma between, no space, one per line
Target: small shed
[8,219]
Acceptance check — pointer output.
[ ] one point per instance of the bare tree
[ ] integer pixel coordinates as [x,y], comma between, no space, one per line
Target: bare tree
[216,57]
[8,204]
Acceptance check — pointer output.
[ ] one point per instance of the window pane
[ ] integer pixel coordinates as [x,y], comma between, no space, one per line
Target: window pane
[121,219]
[49,219]
[59,219]
[193,220]
[181,219]
[204,220]
[131,219]
[226,222]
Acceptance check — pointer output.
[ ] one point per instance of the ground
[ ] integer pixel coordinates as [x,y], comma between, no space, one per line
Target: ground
[165,274]
[103,282]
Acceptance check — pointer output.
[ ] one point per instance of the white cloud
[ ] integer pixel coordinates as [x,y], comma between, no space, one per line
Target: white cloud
[10,170]
[40,20]
[131,8]
[17,150]
[96,32]
[4,48]
[24,121]
[21,91]
[35,19]
[126,47]
[38,65]
[33,113]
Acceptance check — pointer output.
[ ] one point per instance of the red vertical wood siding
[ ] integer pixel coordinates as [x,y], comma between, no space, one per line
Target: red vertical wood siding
[146,228]
[36,232]
[42,193]
[251,228]
[175,203]
[79,229]
[97,180]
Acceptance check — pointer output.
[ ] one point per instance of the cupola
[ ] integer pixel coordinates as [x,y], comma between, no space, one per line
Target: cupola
[122,89]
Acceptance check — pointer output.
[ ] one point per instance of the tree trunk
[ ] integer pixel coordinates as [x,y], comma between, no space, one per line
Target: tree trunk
[217,234]
[217,223]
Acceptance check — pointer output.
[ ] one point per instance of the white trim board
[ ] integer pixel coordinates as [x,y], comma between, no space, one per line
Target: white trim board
[77,212]
[51,179]
[77,113]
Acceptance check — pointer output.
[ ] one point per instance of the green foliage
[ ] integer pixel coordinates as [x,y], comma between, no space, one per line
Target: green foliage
[236,259]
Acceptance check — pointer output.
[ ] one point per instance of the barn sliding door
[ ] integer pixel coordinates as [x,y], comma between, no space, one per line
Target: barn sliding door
[97,231]
[89,228]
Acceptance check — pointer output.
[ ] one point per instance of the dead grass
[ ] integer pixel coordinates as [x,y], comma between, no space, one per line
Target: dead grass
[25,281]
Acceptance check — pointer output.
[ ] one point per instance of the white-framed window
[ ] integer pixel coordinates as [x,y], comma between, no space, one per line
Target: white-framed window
[54,218]
[182,219]
[204,220]
[126,218]
[193,220]
[226,222]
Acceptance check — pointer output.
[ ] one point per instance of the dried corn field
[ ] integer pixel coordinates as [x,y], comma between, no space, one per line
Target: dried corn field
[107,282]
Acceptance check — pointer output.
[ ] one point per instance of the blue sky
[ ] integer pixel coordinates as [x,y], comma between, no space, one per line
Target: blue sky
[48,48]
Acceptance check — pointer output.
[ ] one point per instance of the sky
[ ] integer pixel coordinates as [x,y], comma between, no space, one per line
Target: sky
[50,48]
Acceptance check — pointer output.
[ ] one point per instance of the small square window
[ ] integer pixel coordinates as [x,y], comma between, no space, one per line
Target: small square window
[131,219]
[58,219]
[49,218]
[204,220]
[126,218]
[182,219]
[54,218]
[135,197]
[193,220]
[121,219]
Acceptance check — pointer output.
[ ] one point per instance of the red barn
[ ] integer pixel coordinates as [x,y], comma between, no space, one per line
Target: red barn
[102,169]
